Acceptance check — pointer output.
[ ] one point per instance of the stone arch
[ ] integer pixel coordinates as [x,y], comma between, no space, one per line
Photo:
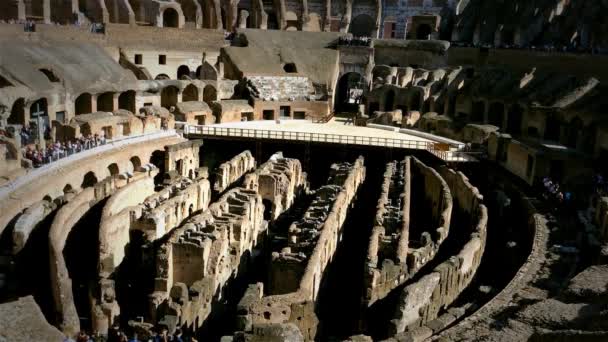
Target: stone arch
[113,169]
[206,72]
[573,132]
[67,188]
[183,72]
[423,32]
[89,180]
[190,93]
[416,101]
[126,101]
[496,114]
[50,75]
[157,158]
[83,104]
[168,96]
[161,77]
[389,100]
[362,26]
[347,82]
[515,119]
[17,116]
[135,163]
[209,94]
[478,111]
[170,17]
[105,102]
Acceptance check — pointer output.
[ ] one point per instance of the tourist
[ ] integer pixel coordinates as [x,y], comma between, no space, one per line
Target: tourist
[177,337]
[114,334]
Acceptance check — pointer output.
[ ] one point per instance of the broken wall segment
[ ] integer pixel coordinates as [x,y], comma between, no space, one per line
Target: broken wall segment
[310,246]
[198,259]
[231,171]
[279,181]
[421,302]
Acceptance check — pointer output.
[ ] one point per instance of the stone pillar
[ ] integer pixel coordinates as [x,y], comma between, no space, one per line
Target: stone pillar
[199,14]
[125,4]
[104,12]
[243,19]
[348,13]
[46,11]
[232,15]
[75,8]
[304,19]
[115,101]
[21,10]
[327,20]
[218,14]
[376,32]
[279,7]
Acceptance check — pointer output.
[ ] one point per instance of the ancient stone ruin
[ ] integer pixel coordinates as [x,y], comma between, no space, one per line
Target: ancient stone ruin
[286,171]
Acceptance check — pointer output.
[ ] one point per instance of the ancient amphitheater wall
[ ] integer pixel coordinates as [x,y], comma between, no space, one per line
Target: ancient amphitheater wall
[28,221]
[392,258]
[232,170]
[279,180]
[64,221]
[69,172]
[421,302]
[327,214]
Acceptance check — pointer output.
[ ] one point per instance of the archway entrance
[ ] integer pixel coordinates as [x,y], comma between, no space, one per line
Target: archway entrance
[168,96]
[17,116]
[105,102]
[183,72]
[362,26]
[83,104]
[514,119]
[423,32]
[126,101]
[170,18]
[190,93]
[349,93]
[89,180]
[209,94]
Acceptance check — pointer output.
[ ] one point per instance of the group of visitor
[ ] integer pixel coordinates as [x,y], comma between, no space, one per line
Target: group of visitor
[554,192]
[115,334]
[57,150]
[29,26]
[354,41]
[571,48]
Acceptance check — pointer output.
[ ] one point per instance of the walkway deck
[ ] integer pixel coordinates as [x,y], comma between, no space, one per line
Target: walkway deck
[333,132]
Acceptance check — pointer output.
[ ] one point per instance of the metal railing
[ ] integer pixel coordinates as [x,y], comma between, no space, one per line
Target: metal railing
[441,150]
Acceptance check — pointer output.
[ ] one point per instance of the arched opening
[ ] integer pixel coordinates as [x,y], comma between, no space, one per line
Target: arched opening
[507,37]
[415,102]
[206,72]
[126,101]
[190,93]
[105,102]
[349,92]
[17,116]
[113,169]
[423,32]
[89,180]
[389,101]
[478,110]
[362,26]
[83,104]
[168,96]
[574,130]
[170,18]
[50,75]
[183,72]
[135,163]
[161,77]
[272,23]
[67,189]
[209,94]
[552,128]
[496,114]
[158,159]
[290,68]
[514,119]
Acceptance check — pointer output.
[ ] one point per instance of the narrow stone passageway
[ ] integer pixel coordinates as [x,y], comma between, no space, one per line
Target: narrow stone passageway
[339,304]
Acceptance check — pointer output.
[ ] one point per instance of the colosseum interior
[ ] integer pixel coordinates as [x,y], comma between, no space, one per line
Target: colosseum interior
[314,170]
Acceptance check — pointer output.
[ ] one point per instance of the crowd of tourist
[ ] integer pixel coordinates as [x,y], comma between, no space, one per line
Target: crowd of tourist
[57,150]
[572,48]
[553,192]
[117,335]
[355,41]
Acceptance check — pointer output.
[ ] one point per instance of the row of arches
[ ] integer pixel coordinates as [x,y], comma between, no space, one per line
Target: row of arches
[83,104]
[204,72]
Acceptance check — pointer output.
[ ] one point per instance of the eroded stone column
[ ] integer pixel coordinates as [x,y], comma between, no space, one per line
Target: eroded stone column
[46,11]
[348,13]
[327,20]
[376,32]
